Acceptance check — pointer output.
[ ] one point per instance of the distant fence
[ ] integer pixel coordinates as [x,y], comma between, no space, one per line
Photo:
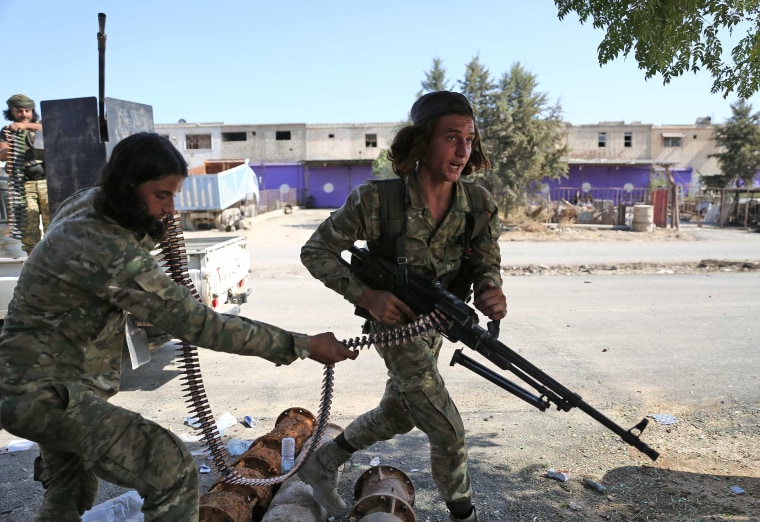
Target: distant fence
[276,199]
[736,207]
[597,206]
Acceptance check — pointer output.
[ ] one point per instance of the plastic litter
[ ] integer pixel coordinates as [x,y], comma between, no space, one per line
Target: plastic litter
[204,469]
[663,418]
[225,421]
[558,474]
[736,490]
[375,461]
[238,446]
[124,508]
[249,422]
[193,422]
[288,453]
[190,437]
[18,445]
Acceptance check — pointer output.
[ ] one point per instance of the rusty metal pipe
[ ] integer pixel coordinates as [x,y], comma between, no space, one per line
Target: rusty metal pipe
[294,501]
[383,493]
[230,502]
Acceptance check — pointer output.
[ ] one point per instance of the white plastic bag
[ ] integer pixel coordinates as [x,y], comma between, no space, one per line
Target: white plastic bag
[124,508]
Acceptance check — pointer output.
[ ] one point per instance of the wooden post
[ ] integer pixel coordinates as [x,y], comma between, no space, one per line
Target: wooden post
[674,212]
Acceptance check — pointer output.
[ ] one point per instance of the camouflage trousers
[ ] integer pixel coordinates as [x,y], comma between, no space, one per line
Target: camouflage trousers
[83,438]
[416,396]
[37,209]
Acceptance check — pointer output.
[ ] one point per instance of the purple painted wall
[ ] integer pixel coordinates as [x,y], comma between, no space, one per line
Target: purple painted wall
[611,182]
[329,186]
[279,175]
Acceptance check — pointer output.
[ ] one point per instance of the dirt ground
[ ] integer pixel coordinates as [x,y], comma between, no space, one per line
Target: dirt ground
[708,468]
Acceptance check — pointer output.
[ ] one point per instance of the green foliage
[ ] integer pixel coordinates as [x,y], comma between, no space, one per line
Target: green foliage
[381,167]
[740,139]
[435,78]
[677,36]
[522,133]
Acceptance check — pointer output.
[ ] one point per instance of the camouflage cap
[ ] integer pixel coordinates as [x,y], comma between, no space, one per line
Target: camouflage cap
[438,103]
[22,101]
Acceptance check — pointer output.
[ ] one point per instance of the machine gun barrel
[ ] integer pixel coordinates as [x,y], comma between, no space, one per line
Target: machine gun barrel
[102,76]
[458,322]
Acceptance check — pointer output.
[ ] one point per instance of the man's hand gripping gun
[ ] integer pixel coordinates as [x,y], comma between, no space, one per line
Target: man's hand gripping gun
[458,322]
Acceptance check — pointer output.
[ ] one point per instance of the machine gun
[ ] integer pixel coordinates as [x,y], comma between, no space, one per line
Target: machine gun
[458,322]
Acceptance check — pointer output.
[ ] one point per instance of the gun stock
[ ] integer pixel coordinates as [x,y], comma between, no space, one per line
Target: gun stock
[458,322]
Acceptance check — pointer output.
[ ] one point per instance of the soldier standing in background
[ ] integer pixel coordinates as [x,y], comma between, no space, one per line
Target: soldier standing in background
[22,133]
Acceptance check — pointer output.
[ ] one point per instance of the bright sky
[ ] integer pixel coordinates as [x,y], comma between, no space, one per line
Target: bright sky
[328,61]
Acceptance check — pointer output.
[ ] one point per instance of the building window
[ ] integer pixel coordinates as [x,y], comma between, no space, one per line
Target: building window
[602,140]
[331,135]
[370,140]
[282,135]
[253,133]
[628,140]
[197,141]
[233,136]
[670,141]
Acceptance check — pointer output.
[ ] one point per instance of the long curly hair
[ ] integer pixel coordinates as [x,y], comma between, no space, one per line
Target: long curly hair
[411,142]
[8,115]
[141,157]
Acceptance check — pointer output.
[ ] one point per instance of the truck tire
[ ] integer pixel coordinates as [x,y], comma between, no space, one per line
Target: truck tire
[186,222]
[229,219]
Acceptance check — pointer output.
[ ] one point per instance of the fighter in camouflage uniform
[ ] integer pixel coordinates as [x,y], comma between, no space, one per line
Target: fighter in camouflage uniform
[431,155]
[61,345]
[25,120]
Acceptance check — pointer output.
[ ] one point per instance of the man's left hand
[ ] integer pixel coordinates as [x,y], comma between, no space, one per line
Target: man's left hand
[490,300]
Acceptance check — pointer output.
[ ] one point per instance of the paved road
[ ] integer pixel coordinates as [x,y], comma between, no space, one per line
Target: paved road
[708,243]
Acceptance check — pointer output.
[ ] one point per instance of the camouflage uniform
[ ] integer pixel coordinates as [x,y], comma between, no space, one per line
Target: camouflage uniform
[60,361]
[35,206]
[415,394]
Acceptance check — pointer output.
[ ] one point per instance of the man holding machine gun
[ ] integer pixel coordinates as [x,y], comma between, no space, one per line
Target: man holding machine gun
[25,123]
[430,156]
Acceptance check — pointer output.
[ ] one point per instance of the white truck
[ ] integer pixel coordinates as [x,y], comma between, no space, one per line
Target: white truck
[218,266]
[218,194]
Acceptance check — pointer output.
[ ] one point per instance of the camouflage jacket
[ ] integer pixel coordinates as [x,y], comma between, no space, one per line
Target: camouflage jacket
[432,251]
[67,316]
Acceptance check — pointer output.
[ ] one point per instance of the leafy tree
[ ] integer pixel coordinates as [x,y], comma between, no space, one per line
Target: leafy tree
[435,78]
[381,167]
[672,37]
[477,86]
[740,138]
[522,132]
[523,136]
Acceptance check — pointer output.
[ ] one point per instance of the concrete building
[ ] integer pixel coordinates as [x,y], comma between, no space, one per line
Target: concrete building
[323,162]
[613,160]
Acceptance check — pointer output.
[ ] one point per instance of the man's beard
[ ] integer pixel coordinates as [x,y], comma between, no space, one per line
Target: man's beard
[157,228]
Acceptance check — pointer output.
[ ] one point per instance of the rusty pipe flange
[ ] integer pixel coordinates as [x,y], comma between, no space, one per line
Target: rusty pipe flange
[386,490]
[384,480]
[384,508]
[299,415]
